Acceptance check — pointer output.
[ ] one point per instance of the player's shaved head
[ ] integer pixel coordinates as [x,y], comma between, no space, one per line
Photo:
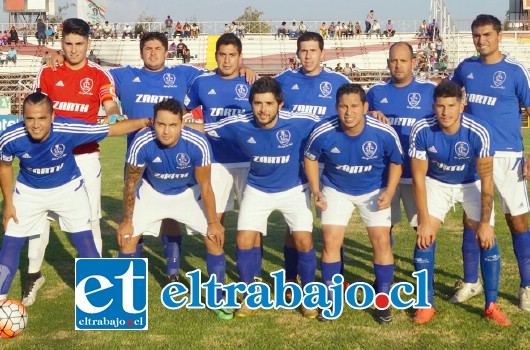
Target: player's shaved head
[401,44]
[37,98]
[154,36]
[265,85]
[448,89]
[170,105]
[351,89]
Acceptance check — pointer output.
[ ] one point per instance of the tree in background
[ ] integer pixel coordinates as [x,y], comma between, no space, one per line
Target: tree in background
[252,21]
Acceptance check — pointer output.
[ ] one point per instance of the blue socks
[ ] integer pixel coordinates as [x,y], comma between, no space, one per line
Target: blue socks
[490,264]
[172,249]
[471,256]
[307,266]
[384,275]
[290,256]
[258,254]
[216,265]
[328,271]
[424,259]
[521,248]
[246,266]
[9,260]
[84,242]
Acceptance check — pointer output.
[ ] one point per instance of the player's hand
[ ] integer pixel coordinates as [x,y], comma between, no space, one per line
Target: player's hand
[250,75]
[216,234]
[380,116]
[384,200]
[54,61]
[526,169]
[320,201]
[9,213]
[485,235]
[125,232]
[425,235]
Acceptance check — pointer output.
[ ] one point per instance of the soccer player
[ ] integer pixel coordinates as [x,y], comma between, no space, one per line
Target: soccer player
[175,162]
[77,89]
[221,94]
[48,175]
[274,140]
[362,167]
[309,89]
[452,162]
[402,100]
[496,86]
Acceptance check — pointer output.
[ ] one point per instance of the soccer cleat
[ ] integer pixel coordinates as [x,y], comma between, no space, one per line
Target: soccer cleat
[494,313]
[172,278]
[465,291]
[310,314]
[288,292]
[423,315]
[383,316]
[33,284]
[524,298]
[244,311]
[321,317]
[223,314]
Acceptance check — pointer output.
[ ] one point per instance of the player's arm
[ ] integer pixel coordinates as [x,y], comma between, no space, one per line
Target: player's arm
[380,116]
[394,175]
[249,74]
[215,230]
[133,175]
[526,168]
[128,126]
[311,171]
[111,108]
[485,234]
[6,184]
[425,235]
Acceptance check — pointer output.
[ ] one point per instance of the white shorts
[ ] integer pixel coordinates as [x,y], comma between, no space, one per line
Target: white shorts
[257,205]
[406,194]
[69,202]
[341,206]
[510,184]
[228,182]
[441,197]
[151,207]
[90,168]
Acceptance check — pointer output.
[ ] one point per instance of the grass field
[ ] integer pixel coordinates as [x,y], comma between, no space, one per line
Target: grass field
[51,318]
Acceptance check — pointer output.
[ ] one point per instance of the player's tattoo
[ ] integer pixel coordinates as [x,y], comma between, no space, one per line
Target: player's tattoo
[132,177]
[485,167]
[485,170]
[486,206]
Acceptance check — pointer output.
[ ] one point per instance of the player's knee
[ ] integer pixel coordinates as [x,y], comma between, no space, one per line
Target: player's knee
[518,223]
[303,242]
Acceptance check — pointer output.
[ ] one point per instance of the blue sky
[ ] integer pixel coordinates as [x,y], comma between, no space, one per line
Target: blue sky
[210,10]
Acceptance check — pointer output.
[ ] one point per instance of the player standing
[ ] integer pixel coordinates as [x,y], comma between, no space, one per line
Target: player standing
[77,89]
[449,153]
[274,140]
[496,86]
[362,168]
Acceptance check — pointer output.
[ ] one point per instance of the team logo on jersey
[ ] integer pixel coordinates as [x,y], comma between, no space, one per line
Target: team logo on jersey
[369,149]
[58,150]
[241,91]
[325,89]
[499,78]
[284,137]
[183,160]
[169,80]
[461,150]
[86,86]
[414,99]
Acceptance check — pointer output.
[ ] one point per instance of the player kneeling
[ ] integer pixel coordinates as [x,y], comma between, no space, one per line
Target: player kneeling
[175,162]
[48,175]
[452,162]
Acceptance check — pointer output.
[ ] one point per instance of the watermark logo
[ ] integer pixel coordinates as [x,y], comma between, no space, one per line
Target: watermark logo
[331,299]
[111,294]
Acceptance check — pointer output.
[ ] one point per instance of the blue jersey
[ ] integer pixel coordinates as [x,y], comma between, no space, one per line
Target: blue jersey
[311,94]
[403,106]
[139,89]
[275,154]
[355,165]
[495,93]
[220,98]
[50,163]
[452,158]
[169,170]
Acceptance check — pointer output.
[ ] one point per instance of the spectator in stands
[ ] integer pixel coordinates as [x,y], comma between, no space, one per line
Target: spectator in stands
[50,36]
[324,30]
[187,30]
[240,30]
[338,68]
[180,49]
[439,48]
[172,50]
[25,36]
[116,30]
[354,68]
[282,30]
[422,30]
[5,37]
[2,58]
[349,29]
[178,29]
[195,30]
[376,29]
[331,30]
[169,26]
[41,32]
[293,32]
[138,31]
[338,30]
[233,28]
[368,21]
[302,28]
[56,31]
[227,29]
[97,31]
[92,57]
[13,36]
[127,31]
[186,55]
[46,58]
[389,31]
[12,55]
[432,30]
[347,71]
[107,30]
